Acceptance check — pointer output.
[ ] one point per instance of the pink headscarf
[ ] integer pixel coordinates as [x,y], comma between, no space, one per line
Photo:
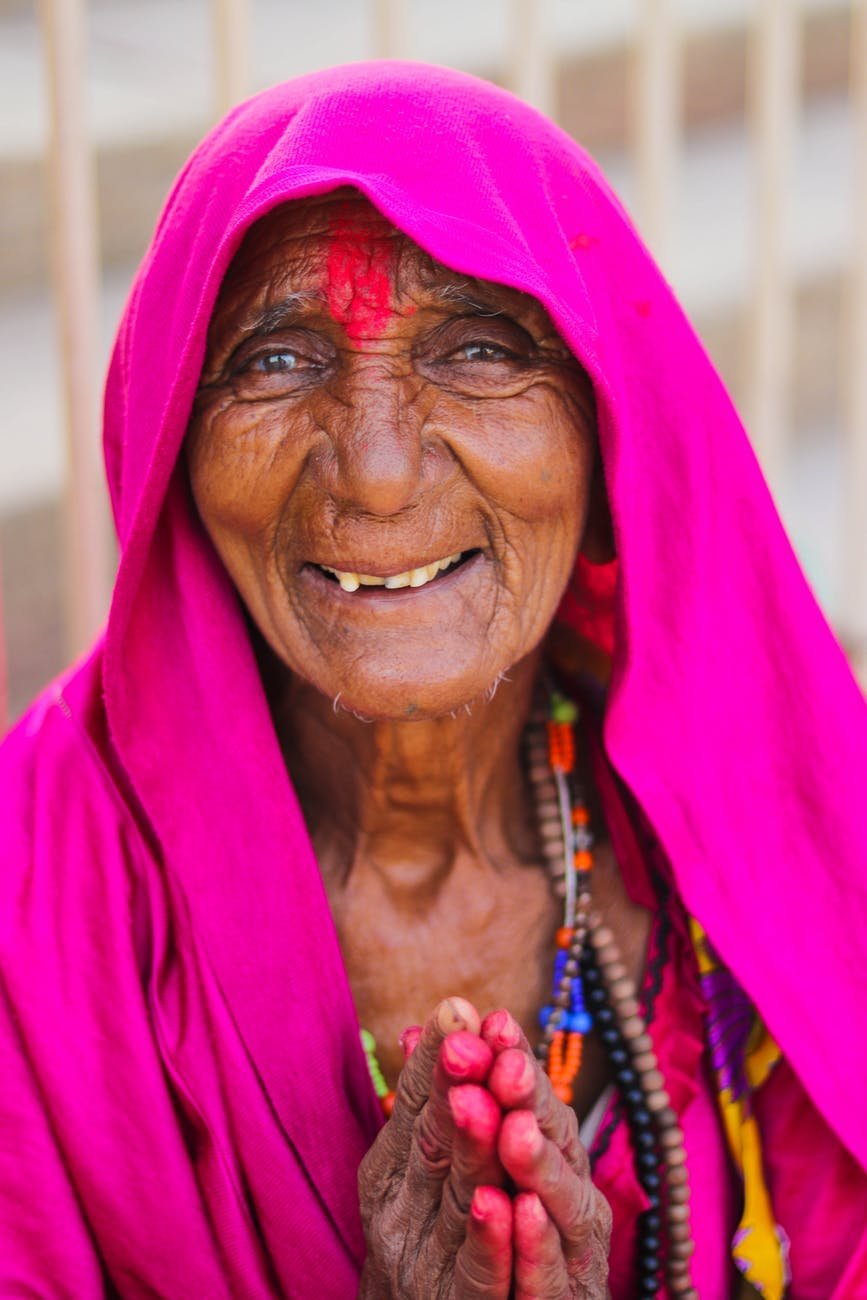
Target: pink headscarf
[732,715]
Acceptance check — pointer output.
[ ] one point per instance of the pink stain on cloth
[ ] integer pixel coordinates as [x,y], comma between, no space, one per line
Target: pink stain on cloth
[185,1100]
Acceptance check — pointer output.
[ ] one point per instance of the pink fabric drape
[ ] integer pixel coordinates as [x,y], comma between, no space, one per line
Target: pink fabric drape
[185,1097]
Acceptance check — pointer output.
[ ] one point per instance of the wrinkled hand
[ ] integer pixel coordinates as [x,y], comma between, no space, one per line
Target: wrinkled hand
[473,1113]
[435,1218]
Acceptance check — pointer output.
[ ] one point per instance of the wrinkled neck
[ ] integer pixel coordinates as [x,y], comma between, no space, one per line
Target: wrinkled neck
[409,798]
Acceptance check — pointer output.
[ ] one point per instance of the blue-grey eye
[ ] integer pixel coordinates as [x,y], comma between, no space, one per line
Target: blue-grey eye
[481,352]
[274,363]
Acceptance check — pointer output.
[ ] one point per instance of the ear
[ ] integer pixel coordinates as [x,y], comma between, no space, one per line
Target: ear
[597,545]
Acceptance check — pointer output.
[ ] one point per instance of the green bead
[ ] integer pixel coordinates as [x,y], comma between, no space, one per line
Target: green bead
[377,1078]
[368,1042]
[563,710]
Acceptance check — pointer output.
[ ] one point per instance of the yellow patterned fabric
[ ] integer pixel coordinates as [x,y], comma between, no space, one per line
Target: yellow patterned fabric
[743,1055]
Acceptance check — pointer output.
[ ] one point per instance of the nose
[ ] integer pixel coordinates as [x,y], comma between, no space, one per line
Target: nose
[378,447]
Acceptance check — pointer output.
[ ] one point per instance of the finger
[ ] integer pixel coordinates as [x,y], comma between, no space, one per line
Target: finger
[518,1082]
[501,1030]
[540,1269]
[463,1058]
[409,1040]
[483,1265]
[416,1077]
[474,1163]
[537,1165]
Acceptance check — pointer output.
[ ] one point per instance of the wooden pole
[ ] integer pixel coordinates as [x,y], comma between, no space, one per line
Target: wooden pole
[532,72]
[774,96]
[4,673]
[76,288]
[855,553]
[657,110]
[390,29]
[232,53]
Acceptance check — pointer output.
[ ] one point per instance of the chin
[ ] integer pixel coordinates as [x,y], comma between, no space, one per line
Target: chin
[383,696]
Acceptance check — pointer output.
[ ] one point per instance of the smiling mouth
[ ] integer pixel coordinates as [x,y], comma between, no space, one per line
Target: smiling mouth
[419,577]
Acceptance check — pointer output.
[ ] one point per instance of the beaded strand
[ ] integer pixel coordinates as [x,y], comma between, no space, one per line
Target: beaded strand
[592,987]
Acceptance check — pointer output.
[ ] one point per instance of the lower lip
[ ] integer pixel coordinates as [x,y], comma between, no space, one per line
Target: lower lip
[391,598]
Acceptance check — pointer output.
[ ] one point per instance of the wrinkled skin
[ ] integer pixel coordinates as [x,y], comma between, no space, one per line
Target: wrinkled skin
[382,440]
[473,1110]
[366,409]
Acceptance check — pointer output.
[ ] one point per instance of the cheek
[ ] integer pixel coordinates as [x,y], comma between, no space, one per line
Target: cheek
[534,459]
[236,479]
[358,277]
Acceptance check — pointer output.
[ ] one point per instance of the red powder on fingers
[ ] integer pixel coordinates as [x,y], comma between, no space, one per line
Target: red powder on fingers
[489,1229]
[490,1201]
[500,1030]
[521,1140]
[513,1078]
[464,1056]
[409,1040]
[358,276]
[475,1111]
[529,1211]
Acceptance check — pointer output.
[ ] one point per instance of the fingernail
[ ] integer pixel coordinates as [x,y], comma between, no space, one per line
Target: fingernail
[461,1106]
[457,1013]
[520,1071]
[409,1040]
[473,1108]
[529,1206]
[465,1055]
[525,1131]
[501,1030]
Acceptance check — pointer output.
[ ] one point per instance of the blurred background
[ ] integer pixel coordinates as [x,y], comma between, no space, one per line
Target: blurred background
[734,130]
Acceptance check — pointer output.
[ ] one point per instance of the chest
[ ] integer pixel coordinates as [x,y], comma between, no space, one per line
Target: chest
[487,935]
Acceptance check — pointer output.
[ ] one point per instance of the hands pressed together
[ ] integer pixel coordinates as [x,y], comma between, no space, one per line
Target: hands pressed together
[478,1187]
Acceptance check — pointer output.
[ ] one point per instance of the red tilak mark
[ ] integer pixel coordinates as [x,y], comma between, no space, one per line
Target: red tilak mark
[358,277]
[584,241]
[644,307]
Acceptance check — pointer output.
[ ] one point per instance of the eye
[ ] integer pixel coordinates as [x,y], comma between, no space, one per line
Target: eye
[270,369]
[274,363]
[482,350]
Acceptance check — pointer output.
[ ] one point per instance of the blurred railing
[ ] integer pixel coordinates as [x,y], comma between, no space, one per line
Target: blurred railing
[774,36]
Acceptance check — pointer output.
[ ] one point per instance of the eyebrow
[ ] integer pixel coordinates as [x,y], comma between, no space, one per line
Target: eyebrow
[284,312]
[462,294]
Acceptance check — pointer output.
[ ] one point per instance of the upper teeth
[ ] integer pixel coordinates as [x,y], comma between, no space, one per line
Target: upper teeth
[411,578]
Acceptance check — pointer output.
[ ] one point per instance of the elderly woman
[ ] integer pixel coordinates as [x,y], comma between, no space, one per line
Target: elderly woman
[458,675]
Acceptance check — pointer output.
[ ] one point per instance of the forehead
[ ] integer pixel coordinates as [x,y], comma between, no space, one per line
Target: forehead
[303,244]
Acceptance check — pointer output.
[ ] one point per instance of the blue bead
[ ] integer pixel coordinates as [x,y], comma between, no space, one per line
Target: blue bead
[580,1022]
[560,962]
[545,1016]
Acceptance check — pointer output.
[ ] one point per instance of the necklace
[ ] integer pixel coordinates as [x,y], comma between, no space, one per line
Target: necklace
[592,988]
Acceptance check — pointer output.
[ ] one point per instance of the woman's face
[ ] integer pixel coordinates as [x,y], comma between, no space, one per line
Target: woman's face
[393,462]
